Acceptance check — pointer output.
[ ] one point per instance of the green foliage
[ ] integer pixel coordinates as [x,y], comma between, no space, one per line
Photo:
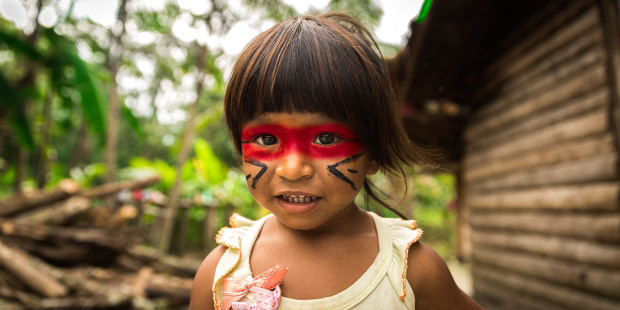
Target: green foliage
[366,11]
[273,9]
[87,177]
[139,166]
[207,164]
[434,195]
[16,114]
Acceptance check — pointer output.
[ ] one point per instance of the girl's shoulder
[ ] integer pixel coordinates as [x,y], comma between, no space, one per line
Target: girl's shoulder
[240,226]
[230,242]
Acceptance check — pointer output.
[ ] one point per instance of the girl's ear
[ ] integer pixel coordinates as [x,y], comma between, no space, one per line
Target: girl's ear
[373,167]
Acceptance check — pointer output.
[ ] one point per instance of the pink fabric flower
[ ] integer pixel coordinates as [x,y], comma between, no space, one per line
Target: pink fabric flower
[264,300]
[233,289]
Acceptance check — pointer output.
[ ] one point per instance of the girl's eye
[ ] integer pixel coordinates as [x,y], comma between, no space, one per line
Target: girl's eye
[266,140]
[326,139]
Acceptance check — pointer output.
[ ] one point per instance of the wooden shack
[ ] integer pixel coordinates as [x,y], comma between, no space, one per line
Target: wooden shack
[523,97]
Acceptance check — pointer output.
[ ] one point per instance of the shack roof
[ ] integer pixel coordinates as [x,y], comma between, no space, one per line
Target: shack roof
[440,72]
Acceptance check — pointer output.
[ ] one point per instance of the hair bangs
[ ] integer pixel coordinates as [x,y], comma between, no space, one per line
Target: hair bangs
[316,73]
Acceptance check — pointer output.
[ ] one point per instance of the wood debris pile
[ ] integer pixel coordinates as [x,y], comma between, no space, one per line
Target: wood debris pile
[57,251]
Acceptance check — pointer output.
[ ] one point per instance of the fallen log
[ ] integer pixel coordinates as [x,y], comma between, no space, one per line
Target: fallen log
[67,245]
[18,204]
[174,289]
[114,187]
[56,214]
[18,263]
[164,263]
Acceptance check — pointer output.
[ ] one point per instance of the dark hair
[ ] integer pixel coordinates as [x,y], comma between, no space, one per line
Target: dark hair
[328,64]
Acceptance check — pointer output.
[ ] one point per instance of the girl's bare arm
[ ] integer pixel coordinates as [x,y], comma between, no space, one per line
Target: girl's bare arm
[432,283]
[202,294]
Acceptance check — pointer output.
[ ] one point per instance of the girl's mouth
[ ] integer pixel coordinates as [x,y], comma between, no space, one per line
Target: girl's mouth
[298,198]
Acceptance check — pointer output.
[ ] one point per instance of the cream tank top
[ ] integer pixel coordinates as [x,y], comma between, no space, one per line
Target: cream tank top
[384,285]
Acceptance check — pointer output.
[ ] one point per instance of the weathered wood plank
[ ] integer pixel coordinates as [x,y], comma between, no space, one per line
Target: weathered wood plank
[601,227]
[567,297]
[595,122]
[589,80]
[588,40]
[592,197]
[576,250]
[611,24]
[605,281]
[535,86]
[558,153]
[598,98]
[587,170]
[496,296]
[512,64]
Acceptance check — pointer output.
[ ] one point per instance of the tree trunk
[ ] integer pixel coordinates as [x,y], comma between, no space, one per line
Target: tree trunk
[27,81]
[188,137]
[114,60]
[79,147]
[43,161]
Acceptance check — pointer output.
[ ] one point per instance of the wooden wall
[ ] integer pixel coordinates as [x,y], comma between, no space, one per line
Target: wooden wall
[540,174]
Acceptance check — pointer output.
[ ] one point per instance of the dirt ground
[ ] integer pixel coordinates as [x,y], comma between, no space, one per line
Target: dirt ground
[462,275]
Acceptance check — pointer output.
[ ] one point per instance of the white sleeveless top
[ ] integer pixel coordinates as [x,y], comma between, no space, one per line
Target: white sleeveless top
[384,285]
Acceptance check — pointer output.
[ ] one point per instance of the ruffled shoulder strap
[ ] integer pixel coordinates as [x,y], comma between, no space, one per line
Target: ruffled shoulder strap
[230,237]
[403,233]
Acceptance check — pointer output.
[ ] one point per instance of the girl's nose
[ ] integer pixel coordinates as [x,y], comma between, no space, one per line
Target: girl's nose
[294,166]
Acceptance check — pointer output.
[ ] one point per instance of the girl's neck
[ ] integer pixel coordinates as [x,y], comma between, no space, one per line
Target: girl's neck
[352,220]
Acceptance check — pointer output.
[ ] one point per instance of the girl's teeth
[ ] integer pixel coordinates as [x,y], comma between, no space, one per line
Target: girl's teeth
[299,198]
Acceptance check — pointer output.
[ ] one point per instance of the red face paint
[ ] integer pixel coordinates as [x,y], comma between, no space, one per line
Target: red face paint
[299,139]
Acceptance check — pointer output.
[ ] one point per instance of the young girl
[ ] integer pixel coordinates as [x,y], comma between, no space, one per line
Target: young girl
[311,110]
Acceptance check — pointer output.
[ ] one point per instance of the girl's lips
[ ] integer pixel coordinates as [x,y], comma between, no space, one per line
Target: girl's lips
[298,203]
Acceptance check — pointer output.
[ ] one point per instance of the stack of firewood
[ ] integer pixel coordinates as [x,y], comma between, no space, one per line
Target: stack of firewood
[59,250]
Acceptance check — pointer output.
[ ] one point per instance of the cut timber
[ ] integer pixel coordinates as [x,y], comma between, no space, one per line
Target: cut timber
[597,99]
[581,251]
[174,288]
[66,245]
[598,196]
[86,302]
[164,263]
[100,237]
[592,123]
[26,300]
[605,281]
[554,154]
[19,204]
[601,227]
[588,170]
[111,188]
[588,80]
[18,263]
[569,298]
[56,214]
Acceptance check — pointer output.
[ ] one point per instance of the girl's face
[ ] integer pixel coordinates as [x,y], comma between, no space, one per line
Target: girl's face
[305,168]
